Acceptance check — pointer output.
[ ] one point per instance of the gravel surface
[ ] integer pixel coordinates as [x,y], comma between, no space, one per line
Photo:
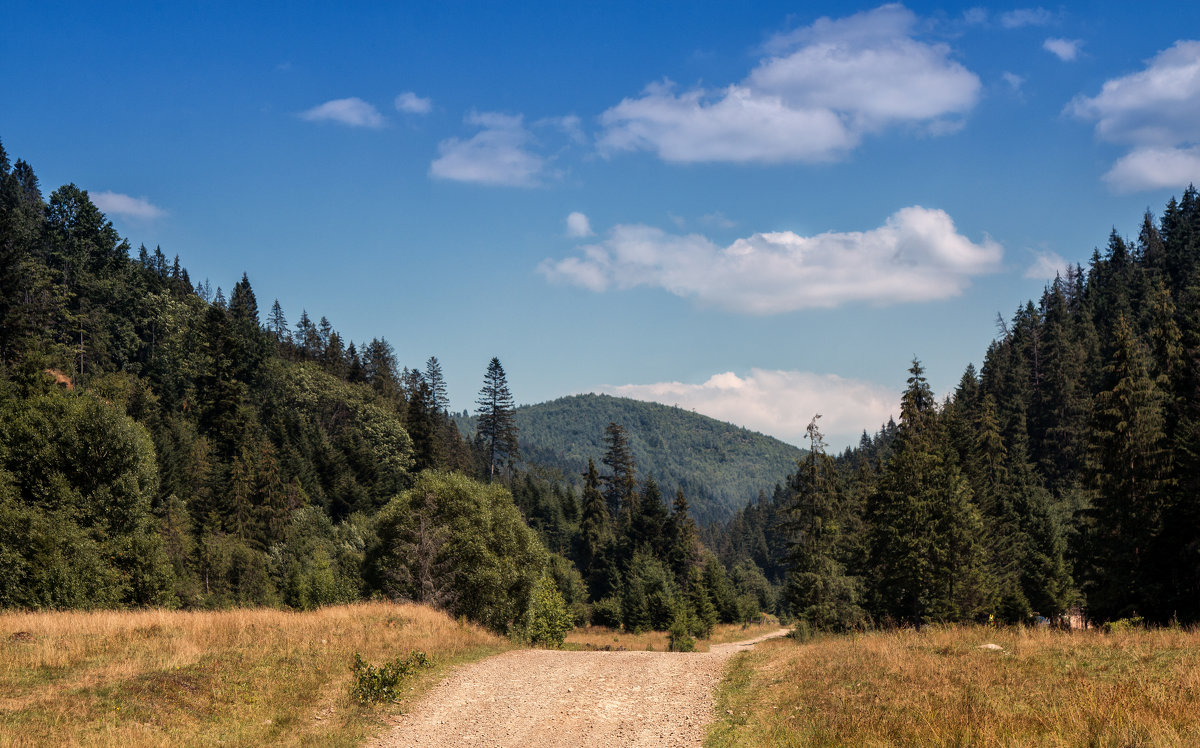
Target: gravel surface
[552,698]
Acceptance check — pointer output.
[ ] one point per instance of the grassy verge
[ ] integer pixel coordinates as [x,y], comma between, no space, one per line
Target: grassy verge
[938,688]
[601,637]
[239,677]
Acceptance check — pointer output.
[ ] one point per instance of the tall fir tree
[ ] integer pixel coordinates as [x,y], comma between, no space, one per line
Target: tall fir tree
[496,427]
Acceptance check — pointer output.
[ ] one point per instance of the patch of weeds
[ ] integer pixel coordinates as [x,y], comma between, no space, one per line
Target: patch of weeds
[372,685]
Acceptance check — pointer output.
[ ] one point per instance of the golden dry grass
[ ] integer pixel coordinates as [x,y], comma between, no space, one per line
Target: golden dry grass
[601,637]
[937,688]
[238,677]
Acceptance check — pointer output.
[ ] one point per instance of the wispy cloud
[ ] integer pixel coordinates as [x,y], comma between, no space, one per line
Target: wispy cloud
[1155,111]
[779,403]
[1046,265]
[1066,50]
[410,103]
[353,112]
[115,203]
[816,94]
[1013,80]
[917,255]
[578,225]
[499,154]
[1022,17]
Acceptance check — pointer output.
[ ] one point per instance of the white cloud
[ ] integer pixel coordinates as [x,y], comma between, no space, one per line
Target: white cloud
[410,103]
[124,205]
[1013,80]
[820,90]
[780,403]
[1046,265]
[1066,50]
[917,255]
[578,225]
[1155,111]
[1021,17]
[1155,168]
[352,111]
[497,155]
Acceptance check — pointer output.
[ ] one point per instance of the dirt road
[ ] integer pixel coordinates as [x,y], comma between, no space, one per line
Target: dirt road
[552,698]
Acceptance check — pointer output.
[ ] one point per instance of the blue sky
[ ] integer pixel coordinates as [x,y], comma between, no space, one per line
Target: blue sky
[760,211]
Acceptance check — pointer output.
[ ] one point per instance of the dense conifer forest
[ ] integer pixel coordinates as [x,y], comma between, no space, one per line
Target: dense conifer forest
[1063,473]
[165,443]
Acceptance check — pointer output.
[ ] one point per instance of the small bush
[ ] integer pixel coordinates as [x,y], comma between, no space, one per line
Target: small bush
[1124,625]
[802,631]
[382,684]
[607,612]
[546,619]
[679,636]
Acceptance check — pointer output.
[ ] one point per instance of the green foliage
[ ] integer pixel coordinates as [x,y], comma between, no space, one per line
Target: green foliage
[458,544]
[547,620]
[385,684]
[679,636]
[607,612]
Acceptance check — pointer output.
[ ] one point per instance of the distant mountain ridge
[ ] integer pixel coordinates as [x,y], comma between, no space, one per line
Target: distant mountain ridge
[719,466]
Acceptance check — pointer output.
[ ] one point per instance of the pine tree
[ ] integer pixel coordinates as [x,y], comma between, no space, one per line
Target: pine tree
[683,540]
[497,428]
[595,536]
[620,485]
[437,385]
[819,591]
[925,555]
[1130,469]
[277,324]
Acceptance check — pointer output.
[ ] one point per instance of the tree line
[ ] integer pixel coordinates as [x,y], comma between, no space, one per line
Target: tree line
[1063,473]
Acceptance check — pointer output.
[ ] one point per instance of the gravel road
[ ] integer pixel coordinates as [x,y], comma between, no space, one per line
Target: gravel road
[553,698]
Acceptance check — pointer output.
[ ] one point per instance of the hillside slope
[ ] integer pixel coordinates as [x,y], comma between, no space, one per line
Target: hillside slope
[718,465]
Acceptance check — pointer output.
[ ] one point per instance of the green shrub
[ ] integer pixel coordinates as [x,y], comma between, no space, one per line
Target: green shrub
[679,636]
[547,620]
[802,631]
[1124,625]
[383,684]
[607,612]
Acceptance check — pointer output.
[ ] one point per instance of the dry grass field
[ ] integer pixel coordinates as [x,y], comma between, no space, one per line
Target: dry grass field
[239,677]
[600,637]
[939,688]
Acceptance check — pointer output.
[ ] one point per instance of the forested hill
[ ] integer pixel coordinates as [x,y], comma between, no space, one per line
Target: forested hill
[719,466]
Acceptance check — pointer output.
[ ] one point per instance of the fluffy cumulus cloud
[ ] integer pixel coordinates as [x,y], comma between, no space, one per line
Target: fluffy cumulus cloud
[499,154]
[818,91]
[578,225]
[353,112]
[780,403]
[1156,111]
[114,203]
[1066,50]
[410,103]
[917,255]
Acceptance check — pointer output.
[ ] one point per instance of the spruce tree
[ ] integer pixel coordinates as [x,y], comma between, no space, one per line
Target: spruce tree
[496,426]
[620,485]
[818,590]
[1130,468]
[437,385]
